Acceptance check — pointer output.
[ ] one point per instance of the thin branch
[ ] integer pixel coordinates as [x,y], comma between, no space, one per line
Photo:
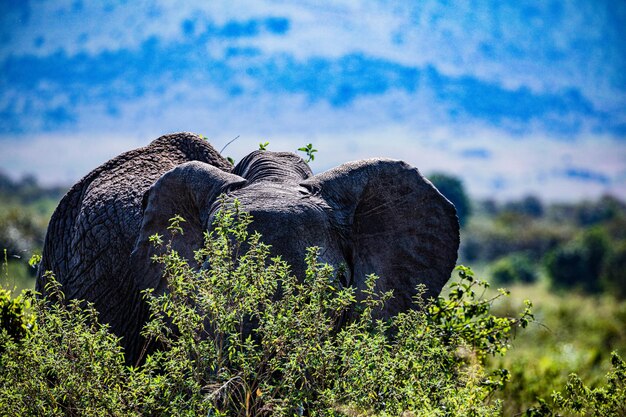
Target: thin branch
[237,137]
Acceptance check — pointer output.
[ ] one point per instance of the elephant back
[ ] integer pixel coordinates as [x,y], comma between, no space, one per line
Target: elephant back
[92,232]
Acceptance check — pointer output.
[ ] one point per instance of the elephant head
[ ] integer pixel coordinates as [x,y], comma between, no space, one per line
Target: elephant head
[376,216]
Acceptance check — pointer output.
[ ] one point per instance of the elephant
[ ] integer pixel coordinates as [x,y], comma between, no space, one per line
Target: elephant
[376,216]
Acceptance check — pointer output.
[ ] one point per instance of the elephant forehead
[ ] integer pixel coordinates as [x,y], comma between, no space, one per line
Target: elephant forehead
[284,211]
[292,220]
[278,198]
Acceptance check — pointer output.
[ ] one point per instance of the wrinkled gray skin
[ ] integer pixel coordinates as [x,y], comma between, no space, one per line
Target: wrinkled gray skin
[372,216]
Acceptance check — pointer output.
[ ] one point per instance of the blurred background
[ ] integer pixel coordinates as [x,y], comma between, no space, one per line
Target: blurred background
[515,110]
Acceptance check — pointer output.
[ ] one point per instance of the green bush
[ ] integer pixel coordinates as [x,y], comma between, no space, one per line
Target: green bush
[16,317]
[573,332]
[68,364]
[579,263]
[514,268]
[579,399]
[243,337]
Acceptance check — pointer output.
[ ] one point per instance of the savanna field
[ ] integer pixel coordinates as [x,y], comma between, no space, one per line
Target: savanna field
[551,344]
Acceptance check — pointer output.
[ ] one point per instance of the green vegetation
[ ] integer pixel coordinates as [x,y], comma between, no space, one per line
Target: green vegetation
[571,246]
[452,188]
[573,332]
[569,259]
[309,151]
[16,317]
[581,399]
[25,209]
[579,263]
[614,275]
[514,268]
[244,337]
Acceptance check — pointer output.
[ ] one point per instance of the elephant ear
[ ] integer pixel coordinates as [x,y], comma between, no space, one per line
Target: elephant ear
[189,190]
[394,223]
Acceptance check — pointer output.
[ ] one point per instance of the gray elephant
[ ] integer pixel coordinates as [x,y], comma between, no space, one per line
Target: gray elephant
[372,216]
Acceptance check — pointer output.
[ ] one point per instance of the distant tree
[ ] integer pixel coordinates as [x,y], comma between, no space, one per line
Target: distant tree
[514,268]
[7,186]
[471,249]
[452,188]
[593,212]
[530,206]
[489,206]
[614,272]
[566,268]
[579,263]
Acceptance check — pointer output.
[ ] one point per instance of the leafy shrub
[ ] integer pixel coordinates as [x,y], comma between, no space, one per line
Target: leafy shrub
[15,316]
[515,268]
[70,365]
[581,400]
[242,336]
[573,332]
